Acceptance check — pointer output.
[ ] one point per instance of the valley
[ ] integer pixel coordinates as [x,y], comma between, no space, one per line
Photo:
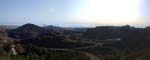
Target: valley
[30,41]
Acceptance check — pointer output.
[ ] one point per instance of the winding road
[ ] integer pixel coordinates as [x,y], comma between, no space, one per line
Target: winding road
[90,55]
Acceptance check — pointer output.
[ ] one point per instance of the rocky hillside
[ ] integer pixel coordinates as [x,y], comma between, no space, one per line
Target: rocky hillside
[36,39]
[9,45]
[102,33]
[131,37]
[30,33]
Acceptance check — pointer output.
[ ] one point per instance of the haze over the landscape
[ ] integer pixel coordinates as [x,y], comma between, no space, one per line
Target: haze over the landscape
[75,12]
[74,29]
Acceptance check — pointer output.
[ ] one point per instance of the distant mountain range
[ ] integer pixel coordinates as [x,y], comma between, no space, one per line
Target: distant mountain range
[131,37]
[8,26]
[49,36]
[133,42]
[52,36]
[66,30]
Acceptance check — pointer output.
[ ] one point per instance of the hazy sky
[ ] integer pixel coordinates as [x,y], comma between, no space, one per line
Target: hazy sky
[75,12]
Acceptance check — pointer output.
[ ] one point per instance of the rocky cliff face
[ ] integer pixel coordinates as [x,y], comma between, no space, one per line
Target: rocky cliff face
[11,45]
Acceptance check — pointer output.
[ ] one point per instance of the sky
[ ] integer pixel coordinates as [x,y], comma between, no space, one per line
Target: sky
[75,12]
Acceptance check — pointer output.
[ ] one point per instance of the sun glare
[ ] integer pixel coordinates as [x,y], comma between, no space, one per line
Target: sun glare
[110,11]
